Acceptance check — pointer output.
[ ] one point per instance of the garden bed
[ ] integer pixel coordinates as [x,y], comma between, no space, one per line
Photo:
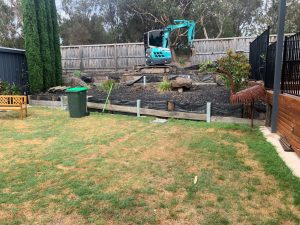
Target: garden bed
[193,100]
[197,95]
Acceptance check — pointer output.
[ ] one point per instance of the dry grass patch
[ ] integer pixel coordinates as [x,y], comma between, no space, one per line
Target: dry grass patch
[110,169]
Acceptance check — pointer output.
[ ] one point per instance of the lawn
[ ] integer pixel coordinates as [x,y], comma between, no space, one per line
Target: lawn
[114,169]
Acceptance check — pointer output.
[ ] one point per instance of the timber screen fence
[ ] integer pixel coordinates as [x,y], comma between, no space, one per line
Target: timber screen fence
[110,57]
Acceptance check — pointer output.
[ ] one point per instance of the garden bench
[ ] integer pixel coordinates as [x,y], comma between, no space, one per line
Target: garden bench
[14,102]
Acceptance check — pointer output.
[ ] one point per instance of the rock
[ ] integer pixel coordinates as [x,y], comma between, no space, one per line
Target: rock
[87,79]
[58,89]
[208,78]
[181,82]
[73,81]
[219,80]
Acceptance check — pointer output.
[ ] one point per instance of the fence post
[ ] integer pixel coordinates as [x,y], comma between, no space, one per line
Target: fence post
[268,115]
[208,112]
[116,56]
[29,100]
[234,44]
[283,83]
[138,106]
[278,64]
[81,58]
[170,106]
[145,80]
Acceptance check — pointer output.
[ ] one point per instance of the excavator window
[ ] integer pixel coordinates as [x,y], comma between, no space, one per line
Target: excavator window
[156,38]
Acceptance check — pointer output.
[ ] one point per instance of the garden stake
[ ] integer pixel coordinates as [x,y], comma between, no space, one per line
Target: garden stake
[110,89]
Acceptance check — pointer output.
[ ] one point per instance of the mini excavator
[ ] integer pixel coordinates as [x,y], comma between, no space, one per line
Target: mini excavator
[157,42]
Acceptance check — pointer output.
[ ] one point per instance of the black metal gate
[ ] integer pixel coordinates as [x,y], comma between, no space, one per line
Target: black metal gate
[258,54]
[13,67]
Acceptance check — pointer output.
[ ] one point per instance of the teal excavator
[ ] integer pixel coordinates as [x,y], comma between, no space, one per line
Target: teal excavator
[157,42]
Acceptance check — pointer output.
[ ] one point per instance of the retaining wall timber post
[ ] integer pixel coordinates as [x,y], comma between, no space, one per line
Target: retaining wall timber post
[138,106]
[208,112]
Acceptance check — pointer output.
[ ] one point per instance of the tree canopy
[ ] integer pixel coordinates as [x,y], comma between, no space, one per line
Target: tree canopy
[109,21]
[127,20]
[10,24]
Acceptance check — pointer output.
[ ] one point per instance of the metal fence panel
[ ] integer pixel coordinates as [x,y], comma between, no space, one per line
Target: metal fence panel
[270,66]
[258,54]
[13,67]
[290,82]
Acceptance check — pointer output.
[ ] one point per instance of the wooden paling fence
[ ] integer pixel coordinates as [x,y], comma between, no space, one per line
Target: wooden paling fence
[102,57]
[108,57]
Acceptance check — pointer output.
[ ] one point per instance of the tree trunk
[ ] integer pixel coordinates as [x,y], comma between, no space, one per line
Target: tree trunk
[203,27]
[174,56]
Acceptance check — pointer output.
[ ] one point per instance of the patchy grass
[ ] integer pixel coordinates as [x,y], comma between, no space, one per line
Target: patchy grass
[112,169]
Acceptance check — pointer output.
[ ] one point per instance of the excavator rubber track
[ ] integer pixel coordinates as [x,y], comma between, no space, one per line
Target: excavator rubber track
[155,69]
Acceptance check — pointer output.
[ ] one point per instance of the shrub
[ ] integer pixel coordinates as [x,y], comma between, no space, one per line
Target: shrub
[165,85]
[42,42]
[9,89]
[207,66]
[237,64]
[182,61]
[106,85]
[32,44]
[77,73]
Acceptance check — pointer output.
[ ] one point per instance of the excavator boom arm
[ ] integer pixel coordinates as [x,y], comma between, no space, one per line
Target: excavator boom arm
[189,24]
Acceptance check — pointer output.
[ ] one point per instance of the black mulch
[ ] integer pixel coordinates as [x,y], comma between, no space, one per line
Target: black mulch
[197,95]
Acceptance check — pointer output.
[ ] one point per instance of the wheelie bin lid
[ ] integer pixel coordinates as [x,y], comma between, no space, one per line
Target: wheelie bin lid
[76,89]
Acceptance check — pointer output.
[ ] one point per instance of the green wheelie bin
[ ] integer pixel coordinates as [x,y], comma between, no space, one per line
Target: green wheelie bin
[77,102]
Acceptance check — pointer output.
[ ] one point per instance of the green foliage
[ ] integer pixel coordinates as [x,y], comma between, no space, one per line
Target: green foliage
[48,70]
[32,44]
[207,67]
[56,43]
[165,85]
[182,61]
[9,89]
[10,24]
[77,73]
[238,65]
[51,40]
[106,85]
[42,44]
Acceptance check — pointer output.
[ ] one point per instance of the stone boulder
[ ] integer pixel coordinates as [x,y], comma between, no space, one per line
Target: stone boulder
[219,80]
[73,81]
[57,89]
[181,82]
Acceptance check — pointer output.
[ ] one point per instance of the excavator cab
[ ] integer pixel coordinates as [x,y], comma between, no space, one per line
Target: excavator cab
[156,42]
[155,53]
